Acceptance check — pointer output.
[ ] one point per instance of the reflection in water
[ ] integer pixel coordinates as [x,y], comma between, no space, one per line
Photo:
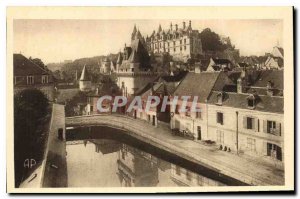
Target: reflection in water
[109,163]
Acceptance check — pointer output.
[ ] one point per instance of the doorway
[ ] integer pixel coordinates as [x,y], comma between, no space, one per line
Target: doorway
[199,132]
[153,120]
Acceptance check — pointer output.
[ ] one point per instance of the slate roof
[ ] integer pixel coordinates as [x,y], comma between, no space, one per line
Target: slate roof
[221,61]
[25,67]
[275,76]
[176,78]
[239,100]
[197,84]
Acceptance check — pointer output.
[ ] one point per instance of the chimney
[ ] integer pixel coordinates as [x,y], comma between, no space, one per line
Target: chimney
[171,26]
[183,24]
[240,85]
[176,27]
[190,23]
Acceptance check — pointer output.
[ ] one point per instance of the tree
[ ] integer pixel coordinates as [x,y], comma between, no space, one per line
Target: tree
[211,41]
[30,110]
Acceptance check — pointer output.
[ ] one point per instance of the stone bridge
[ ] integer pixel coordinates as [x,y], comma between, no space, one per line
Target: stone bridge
[244,169]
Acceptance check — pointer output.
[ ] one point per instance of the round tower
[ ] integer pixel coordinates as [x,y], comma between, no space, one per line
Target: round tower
[85,83]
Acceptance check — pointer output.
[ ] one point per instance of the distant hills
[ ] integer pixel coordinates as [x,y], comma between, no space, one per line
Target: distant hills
[67,70]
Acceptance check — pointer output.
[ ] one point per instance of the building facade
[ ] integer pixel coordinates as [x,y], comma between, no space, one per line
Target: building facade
[28,75]
[181,43]
[245,116]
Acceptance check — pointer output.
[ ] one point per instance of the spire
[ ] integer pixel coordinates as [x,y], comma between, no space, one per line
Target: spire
[159,29]
[120,58]
[133,32]
[84,74]
[171,26]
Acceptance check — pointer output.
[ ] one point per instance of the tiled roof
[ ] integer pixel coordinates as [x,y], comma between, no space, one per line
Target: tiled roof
[24,67]
[239,100]
[197,84]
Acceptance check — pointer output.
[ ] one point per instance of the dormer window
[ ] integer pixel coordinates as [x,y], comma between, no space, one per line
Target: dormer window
[251,101]
[219,98]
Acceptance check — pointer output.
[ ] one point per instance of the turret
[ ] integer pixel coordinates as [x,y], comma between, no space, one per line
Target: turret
[85,83]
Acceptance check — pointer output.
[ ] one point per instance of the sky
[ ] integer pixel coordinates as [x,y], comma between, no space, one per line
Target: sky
[57,40]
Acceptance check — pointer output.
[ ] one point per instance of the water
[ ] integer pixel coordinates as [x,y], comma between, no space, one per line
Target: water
[108,162]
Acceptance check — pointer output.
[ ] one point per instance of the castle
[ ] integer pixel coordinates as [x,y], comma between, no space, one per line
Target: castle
[181,43]
[133,67]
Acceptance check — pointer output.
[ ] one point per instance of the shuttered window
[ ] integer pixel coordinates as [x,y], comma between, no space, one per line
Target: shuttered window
[220,118]
[272,127]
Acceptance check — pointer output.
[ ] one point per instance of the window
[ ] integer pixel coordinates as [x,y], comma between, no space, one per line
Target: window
[92,108]
[174,43]
[219,98]
[250,123]
[220,136]
[274,151]
[198,115]
[132,70]
[220,118]
[251,144]
[45,79]
[177,109]
[174,49]
[184,47]
[184,41]
[180,42]
[188,175]
[178,170]
[188,112]
[30,79]
[251,101]
[271,127]
[180,48]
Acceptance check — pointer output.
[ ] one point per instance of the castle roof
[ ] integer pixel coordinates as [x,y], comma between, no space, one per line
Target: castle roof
[84,75]
[133,57]
[120,58]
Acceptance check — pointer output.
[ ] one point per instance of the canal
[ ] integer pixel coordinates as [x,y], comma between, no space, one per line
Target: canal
[106,157]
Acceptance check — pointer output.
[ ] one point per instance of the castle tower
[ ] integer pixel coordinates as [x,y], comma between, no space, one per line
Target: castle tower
[85,83]
[106,66]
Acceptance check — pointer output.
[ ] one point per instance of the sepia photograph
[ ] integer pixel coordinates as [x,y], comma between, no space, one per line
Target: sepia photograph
[150,99]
